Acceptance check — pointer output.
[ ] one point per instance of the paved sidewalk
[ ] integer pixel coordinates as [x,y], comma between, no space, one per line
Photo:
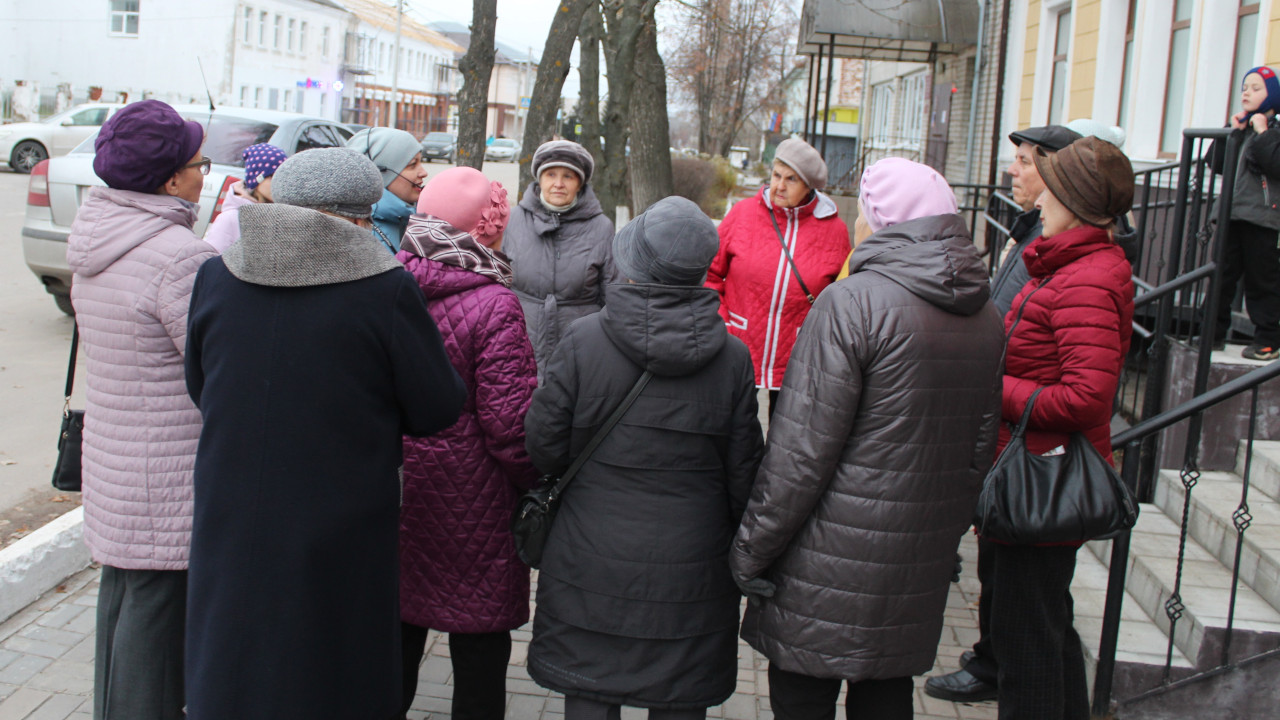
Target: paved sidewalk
[46,664]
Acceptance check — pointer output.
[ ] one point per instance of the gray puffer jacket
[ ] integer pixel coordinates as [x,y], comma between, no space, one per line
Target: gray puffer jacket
[878,446]
[1256,198]
[562,263]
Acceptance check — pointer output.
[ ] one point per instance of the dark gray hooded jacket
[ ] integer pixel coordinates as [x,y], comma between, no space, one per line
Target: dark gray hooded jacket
[878,446]
[562,263]
[640,547]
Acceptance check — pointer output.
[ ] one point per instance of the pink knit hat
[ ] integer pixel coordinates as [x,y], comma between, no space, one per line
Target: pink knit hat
[464,198]
[895,190]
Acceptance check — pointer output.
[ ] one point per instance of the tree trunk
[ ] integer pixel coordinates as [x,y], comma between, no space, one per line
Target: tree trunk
[544,103]
[624,19]
[473,99]
[589,73]
[650,132]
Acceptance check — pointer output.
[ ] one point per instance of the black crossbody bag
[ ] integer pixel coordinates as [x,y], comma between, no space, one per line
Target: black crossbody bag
[537,508]
[790,260]
[66,472]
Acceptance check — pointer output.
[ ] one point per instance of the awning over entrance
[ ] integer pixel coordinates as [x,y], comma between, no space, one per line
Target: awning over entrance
[905,30]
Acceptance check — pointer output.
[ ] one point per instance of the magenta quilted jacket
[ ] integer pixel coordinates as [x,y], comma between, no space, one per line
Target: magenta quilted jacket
[458,567]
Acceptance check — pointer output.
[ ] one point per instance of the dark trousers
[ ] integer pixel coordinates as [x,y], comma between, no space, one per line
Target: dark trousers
[1252,253]
[479,671]
[579,708]
[137,673]
[1041,661]
[793,696]
[773,400]
[983,665]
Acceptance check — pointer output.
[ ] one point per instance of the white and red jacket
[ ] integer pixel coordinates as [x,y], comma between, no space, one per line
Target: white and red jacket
[760,300]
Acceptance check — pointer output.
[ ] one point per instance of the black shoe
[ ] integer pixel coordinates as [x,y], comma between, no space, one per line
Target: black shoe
[1260,352]
[959,686]
[965,657]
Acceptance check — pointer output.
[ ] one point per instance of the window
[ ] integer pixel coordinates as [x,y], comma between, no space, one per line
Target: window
[316,136]
[882,96]
[302,38]
[1126,73]
[93,117]
[257,97]
[324,102]
[292,28]
[124,17]
[913,108]
[244,96]
[288,98]
[1176,82]
[382,56]
[273,99]
[262,29]
[248,25]
[1246,40]
[324,43]
[275,37]
[1058,82]
[301,97]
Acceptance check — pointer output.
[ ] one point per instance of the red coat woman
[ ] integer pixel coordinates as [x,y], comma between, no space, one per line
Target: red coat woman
[761,300]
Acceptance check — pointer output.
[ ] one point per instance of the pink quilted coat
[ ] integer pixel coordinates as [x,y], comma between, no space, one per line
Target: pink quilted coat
[458,567]
[134,261]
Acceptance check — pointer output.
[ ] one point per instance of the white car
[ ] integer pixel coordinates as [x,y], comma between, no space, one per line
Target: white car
[24,145]
[503,149]
[58,186]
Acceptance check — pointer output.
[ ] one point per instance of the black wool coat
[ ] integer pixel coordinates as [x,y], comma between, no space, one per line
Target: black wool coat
[309,353]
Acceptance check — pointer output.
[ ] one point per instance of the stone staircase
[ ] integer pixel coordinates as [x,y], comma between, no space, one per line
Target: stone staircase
[1200,634]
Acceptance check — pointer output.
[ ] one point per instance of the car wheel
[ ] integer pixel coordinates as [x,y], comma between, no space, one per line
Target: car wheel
[64,304]
[27,155]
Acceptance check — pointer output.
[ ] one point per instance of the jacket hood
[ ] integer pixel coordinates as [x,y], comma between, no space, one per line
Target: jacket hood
[1047,254]
[112,222]
[670,330]
[544,221]
[932,257]
[439,280]
[821,206]
[287,246]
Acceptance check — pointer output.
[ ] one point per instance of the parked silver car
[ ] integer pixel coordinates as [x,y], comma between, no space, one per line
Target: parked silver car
[58,186]
[23,145]
[440,145]
[504,149]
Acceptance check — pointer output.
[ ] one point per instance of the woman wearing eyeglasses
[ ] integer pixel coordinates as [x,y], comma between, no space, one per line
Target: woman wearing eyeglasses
[134,260]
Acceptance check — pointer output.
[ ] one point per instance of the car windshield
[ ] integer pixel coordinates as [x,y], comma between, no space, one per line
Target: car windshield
[504,143]
[438,137]
[225,139]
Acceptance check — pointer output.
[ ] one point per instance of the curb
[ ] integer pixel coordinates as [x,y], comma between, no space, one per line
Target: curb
[40,561]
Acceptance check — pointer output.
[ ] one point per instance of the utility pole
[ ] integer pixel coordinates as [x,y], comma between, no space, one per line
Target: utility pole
[395,65]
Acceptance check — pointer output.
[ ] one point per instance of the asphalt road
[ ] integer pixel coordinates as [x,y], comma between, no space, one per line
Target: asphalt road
[34,339]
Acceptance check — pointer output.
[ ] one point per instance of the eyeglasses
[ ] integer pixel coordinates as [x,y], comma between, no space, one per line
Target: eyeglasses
[205,164]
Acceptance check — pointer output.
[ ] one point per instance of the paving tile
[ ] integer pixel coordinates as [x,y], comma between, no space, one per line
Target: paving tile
[7,656]
[50,635]
[6,690]
[27,646]
[23,669]
[82,652]
[525,706]
[21,703]
[61,676]
[58,707]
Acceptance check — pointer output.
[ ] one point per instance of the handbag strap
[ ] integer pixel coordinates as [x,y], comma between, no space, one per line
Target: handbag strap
[790,260]
[71,366]
[1021,429]
[596,439]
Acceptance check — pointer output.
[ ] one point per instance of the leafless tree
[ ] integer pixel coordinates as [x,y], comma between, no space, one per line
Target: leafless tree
[473,99]
[650,159]
[624,21]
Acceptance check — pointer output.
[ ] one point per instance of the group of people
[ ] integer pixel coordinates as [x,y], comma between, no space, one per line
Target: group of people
[306,434]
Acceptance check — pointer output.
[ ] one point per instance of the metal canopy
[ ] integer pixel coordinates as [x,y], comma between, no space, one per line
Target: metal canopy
[905,30]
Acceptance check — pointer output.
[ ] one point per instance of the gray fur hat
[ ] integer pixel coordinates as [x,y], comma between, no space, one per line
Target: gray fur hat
[807,162]
[336,180]
[566,154]
[671,243]
[390,149]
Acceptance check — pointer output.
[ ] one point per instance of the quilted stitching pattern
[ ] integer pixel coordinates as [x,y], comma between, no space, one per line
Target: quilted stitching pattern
[135,261]
[459,571]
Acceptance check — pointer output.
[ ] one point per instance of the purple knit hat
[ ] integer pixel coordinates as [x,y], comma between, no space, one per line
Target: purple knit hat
[143,145]
[467,200]
[260,163]
[895,190]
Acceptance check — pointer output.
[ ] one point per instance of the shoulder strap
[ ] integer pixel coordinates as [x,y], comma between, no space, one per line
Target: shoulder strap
[791,261]
[603,431]
[1026,413]
[71,364]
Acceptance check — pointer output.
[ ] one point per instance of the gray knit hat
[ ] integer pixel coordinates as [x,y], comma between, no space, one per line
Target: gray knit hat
[801,157]
[671,243]
[566,154]
[390,149]
[336,180]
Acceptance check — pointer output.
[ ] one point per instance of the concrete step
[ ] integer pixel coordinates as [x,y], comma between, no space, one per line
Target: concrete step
[1140,652]
[1206,592]
[1214,500]
[1265,472]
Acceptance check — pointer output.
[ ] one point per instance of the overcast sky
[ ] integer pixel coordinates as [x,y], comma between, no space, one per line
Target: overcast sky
[522,24]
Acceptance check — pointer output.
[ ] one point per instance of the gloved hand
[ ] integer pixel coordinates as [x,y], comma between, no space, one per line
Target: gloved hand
[955,577]
[756,589]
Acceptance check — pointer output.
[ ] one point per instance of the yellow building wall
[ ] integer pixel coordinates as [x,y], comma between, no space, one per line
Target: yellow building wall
[1273,36]
[1084,58]
[1029,63]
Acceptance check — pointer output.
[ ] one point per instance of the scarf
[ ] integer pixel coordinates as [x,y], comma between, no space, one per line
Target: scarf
[429,237]
[558,208]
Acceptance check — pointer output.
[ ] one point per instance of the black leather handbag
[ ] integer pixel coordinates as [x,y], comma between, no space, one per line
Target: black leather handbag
[536,509]
[66,472]
[1070,497]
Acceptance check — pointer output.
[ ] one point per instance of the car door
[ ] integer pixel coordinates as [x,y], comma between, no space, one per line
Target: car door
[74,129]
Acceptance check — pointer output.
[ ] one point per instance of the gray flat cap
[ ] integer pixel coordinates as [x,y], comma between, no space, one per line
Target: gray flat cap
[671,243]
[335,180]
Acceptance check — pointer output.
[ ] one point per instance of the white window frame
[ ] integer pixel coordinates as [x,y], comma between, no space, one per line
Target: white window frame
[913,103]
[324,43]
[123,15]
[1045,43]
[291,35]
[247,35]
[302,38]
[883,97]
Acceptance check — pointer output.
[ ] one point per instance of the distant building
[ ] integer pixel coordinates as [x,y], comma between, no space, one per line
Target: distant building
[510,83]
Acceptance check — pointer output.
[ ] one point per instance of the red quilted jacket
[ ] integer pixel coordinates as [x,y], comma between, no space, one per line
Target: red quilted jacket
[1071,340]
[760,300]
[458,568]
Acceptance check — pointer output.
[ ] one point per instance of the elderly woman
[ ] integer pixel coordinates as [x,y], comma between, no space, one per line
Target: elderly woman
[134,260]
[1069,331]
[635,602]
[778,250]
[461,485]
[310,355]
[559,244]
[882,436]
